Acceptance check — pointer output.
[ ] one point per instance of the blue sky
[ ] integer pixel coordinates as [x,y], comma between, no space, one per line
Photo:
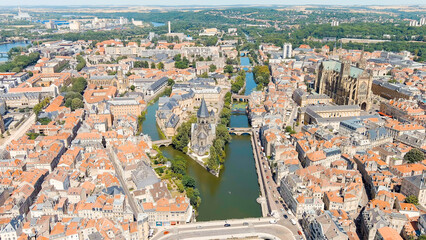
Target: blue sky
[206,2]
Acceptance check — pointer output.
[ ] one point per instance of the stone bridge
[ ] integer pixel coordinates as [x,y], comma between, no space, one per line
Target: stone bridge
[240,98]
[240,131]
[164,142]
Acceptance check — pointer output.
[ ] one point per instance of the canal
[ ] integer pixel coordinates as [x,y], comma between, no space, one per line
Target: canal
[6,47]
[231,195]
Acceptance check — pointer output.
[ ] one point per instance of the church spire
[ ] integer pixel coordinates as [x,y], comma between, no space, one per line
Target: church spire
[203,112]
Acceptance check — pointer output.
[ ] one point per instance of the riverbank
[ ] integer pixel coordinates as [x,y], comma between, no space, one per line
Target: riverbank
[234,193]
[231,195]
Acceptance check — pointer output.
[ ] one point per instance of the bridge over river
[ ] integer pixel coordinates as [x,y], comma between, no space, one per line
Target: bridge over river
[163,142]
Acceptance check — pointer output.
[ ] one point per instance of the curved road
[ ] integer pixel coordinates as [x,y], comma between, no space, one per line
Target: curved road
[255,227]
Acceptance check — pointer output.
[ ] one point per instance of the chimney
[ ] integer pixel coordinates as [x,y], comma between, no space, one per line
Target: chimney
[168,24]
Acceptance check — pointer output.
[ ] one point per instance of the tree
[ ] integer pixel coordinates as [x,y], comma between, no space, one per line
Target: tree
[132,88]
[181,139]
[261,75]
[78,84]
[412,199]
[188,181]
[76,103]
[194,197]
[204,75]
[212,68]
[81,63]
[228,69]
[152,65]
[68,103]
[414,155]
[212,162]
[289,130]
[170,82]
[179,166]
[160,65]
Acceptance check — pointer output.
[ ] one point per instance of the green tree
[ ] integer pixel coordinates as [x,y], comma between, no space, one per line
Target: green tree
[181,139]
[68,102]
[412,199]
[212,68]
[194,197]
[179,166]
[188,181]
[170,82]
[289,130]
[261,75]
[132,88]
[78,84]
[414,155]
[212,161]
[228,69]
[152,65]
[76,104]
[81,63]
[160,65]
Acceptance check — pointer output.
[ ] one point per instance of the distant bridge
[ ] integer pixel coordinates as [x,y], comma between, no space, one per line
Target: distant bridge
[164,142]
[240,98]
[245,68]
[240,131]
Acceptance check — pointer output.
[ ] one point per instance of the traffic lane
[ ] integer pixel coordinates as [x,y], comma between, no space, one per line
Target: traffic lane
[278,231]
[201,226]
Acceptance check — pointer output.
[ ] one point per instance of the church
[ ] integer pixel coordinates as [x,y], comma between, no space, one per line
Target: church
[204,131]
[345,84]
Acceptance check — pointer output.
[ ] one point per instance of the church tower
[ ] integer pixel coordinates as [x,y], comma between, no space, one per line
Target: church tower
[204,131]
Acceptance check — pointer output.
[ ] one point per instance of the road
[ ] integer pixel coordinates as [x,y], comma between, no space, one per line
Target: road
[290,118]
[21,131]
[119,172]
[239,228]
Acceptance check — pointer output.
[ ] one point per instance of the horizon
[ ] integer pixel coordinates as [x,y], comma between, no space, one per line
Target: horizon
[195,3]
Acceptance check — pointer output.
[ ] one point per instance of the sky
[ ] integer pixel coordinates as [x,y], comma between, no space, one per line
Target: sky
[205,2]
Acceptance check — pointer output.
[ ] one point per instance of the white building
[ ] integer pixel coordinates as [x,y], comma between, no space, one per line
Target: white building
[287,50]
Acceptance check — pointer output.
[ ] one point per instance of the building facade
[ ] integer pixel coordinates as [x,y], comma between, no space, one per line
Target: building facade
[345,84]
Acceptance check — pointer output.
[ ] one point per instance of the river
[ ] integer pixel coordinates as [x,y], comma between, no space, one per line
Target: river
[4,48]
[250,83]
[231,195]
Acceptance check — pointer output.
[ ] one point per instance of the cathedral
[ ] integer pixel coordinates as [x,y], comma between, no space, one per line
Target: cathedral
[344,83]
[204,131]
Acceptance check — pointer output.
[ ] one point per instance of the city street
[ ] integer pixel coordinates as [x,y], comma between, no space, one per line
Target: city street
[253,227]
[119,172]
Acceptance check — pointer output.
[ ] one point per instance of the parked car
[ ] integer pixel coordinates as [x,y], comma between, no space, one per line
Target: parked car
[245,223]
[285,216]
[273,221]
[227,225]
